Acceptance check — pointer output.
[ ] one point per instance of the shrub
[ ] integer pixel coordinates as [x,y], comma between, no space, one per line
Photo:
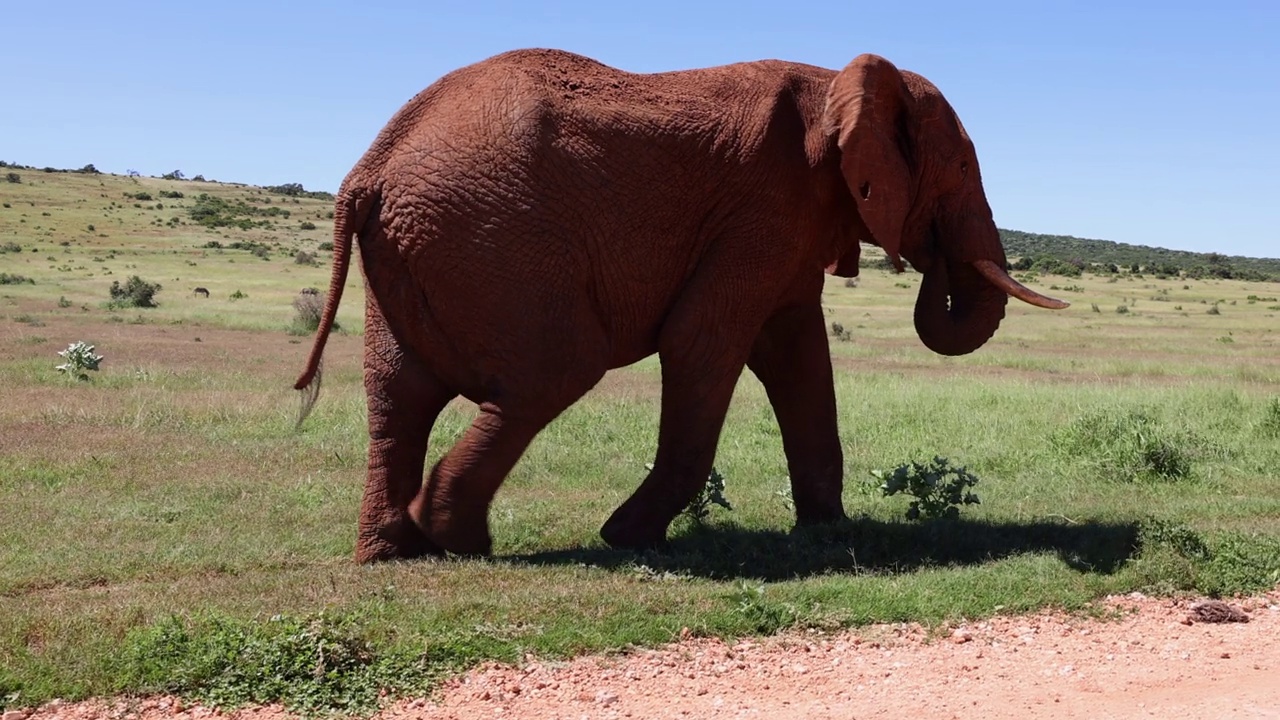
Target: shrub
[307,225]
[839,332]
[237,295]
[1213,310]
[1122,309]
[171,194]
[326,246]
[15,279]
[304,258]
[13,177]
[80,359]
[10,246]
[307,307]
[938,487]
[136,292]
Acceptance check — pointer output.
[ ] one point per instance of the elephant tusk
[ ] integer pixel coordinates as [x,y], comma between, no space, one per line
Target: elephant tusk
[998,277]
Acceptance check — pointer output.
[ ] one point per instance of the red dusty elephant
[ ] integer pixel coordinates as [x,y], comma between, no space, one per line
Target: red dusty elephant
[533,220]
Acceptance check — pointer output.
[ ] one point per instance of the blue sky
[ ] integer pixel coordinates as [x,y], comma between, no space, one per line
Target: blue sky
[1147,123]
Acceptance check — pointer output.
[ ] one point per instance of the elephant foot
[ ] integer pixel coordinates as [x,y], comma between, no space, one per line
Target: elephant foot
[458,533]
[821,516]
[400,540]
[627,529]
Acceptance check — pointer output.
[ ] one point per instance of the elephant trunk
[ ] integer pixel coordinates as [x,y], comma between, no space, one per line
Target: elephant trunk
[962,303]
[957,309]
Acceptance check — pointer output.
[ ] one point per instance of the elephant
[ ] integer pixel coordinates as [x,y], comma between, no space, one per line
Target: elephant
[529,222]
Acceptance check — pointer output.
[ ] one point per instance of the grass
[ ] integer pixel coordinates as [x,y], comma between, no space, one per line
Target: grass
[164,528]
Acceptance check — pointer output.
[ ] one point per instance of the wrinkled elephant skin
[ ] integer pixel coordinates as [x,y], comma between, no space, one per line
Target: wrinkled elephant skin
[529,222]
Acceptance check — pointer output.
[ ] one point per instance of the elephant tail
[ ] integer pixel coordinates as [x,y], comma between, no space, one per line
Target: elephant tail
[350,212]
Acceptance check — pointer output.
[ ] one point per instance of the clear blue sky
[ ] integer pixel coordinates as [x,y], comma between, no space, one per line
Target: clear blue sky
[1154,123]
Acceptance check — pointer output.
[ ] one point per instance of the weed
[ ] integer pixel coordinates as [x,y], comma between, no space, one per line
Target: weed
[1122,309]
[238,295]
[839,332]
[711,493]
[63,302]
[80,359]
[762,615]
[1213,310]
[938,487]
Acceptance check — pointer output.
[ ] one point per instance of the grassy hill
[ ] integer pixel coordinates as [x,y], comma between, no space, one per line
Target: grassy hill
[1108,255]
[74,233]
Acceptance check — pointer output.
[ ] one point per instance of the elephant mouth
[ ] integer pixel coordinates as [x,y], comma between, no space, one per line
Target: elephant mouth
[961,304]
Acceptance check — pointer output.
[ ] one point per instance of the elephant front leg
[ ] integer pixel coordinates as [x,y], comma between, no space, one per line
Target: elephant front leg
[700,369]
[403,404]
[793,362]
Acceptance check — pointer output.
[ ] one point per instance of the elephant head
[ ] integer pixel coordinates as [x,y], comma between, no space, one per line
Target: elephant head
[913,174]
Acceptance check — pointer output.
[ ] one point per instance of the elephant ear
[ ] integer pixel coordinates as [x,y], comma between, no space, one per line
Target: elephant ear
[866,111]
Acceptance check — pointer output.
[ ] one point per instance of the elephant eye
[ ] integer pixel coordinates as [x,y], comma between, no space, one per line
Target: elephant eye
[964,169]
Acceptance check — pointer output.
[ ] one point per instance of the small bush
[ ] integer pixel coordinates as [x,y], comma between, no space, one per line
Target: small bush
[304,258]
[839,332]
[939,489]
[1122,309]
[136,292]
[308,307]
[326,246]
[13,178]
[307,225]
[237,295]
[1213,310]
[15,279]
[10,246]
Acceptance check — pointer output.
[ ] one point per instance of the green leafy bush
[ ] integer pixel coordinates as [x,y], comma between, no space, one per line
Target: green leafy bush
[939,488]
[136,292]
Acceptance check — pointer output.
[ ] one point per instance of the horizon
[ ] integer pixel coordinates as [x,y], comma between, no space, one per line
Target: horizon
[1183,157]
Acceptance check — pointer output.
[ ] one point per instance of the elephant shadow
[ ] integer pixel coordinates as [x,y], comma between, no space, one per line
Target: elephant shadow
[861,546]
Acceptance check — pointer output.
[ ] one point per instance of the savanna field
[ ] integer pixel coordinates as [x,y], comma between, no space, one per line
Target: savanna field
[165,527]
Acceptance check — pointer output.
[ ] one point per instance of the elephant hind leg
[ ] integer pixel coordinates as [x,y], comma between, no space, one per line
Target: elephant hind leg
[404,401]
[452,507]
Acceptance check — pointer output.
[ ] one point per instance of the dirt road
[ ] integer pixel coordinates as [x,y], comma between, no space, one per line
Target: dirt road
[1146,659]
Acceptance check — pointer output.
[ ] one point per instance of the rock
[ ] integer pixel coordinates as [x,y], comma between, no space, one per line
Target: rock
[960,636]
[1216,611]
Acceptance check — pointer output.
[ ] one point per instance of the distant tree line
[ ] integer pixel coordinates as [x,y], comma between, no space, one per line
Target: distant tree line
[1067,255]
[296,190]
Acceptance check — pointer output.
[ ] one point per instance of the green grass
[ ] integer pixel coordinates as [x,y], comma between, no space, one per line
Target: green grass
[164,528]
